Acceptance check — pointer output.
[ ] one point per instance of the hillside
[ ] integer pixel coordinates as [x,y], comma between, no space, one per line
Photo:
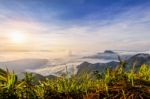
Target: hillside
[136,61]
[114,84]
[112,80]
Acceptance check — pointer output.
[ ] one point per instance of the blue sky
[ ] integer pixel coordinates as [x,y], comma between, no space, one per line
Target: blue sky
[78,25]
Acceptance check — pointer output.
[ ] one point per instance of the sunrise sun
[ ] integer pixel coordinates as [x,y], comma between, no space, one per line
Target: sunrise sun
[17,37]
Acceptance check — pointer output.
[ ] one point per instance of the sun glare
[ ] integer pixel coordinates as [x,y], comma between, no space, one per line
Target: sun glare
[17,37]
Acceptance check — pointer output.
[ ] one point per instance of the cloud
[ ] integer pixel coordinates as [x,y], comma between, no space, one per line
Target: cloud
[127,28]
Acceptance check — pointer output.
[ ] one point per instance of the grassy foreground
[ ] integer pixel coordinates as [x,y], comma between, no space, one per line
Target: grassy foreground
[112,84]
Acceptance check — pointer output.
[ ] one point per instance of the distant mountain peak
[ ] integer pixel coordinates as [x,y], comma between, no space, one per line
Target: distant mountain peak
[109,52]
[139,59]
[142,55]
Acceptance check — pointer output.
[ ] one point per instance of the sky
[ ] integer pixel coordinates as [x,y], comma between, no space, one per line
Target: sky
[76,25]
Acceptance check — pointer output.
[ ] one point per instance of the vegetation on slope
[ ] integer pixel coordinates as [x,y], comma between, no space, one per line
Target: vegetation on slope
[116,83]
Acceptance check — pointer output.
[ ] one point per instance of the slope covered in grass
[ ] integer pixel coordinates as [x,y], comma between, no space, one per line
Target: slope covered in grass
[116,83]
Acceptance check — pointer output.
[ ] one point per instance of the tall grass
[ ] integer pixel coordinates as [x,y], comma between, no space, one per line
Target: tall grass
[77,87]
